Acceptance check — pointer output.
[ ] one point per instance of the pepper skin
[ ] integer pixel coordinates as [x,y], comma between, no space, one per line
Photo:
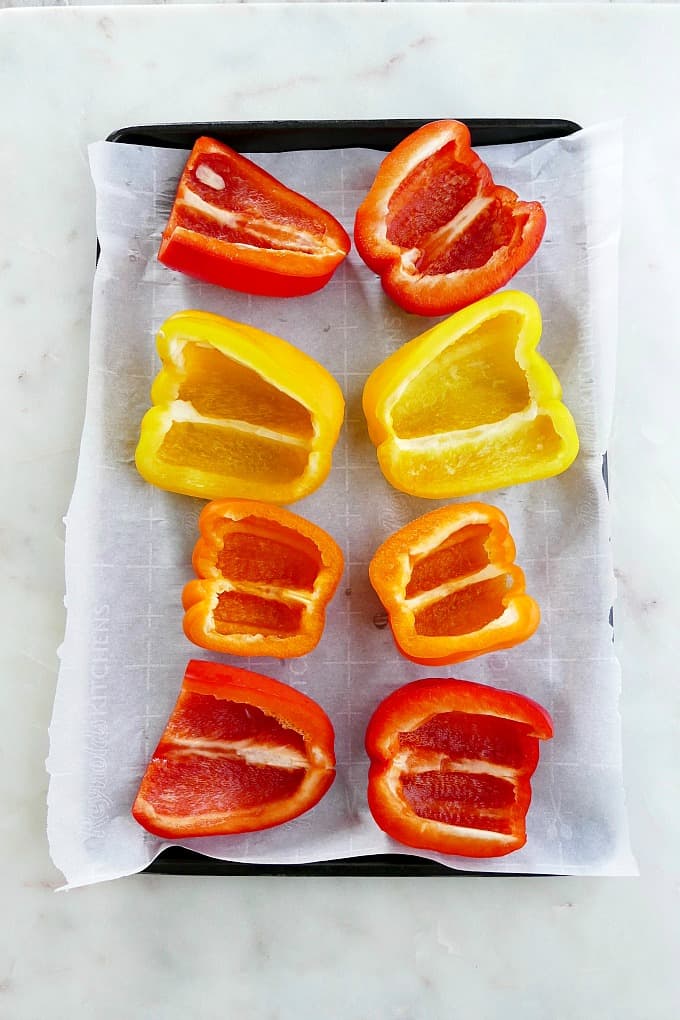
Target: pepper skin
[436,228]
[470,405]
[451,764]
[450,585]
[237,412]
[241,752]
[266,577]
[234,225]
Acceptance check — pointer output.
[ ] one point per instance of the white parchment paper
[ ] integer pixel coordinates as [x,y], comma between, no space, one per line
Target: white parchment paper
[128,544]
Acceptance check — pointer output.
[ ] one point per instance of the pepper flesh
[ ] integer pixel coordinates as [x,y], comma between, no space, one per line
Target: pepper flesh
[470,405]
[436,228]
[266,577]
[237,412]
[451,764]
[450,585]
[240,752]
[234,225]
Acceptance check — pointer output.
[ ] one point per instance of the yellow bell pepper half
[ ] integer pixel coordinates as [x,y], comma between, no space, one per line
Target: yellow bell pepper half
[470,405]
[237,412]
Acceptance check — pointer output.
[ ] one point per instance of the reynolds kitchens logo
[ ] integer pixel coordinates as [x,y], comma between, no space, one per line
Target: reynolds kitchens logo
[98,802]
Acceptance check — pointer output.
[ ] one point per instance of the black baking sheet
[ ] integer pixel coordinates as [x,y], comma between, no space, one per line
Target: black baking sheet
[282,136]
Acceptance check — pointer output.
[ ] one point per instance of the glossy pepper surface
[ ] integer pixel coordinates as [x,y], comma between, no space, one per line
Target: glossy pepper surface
[450,585]
[470,405]
[234,225]
[451,764]
[237,412]
[265,575]
[240,752]
[436,228]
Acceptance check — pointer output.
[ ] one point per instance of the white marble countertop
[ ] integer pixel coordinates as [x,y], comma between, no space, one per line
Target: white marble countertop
[155,946]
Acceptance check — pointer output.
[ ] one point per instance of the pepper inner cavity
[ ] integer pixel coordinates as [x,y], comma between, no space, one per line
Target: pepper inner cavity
[491,226]
[454,793]
[473,801]
[462,553]
[232,452]
[432,194]
[225,203]
[462,735]
[474,381]
[469,609]
[243,193]
[219,755]
[203,717]
[240,612]
[445,211]
[195,784]
[261,551]
[220,387]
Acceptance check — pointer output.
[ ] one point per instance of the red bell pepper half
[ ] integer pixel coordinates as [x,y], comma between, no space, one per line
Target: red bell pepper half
[241,752]
[234,225]
[451,763]
[436,228]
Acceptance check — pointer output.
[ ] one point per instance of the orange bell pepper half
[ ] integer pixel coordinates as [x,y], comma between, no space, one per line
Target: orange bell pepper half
[436,228]
[234,225]
[266,576]
[240,752]
[450,585]
[451,764]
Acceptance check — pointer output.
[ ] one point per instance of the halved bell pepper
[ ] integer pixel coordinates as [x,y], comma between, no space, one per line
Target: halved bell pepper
[450,585]
[470,405]
[266,577]
[237,412]
[436,228]
[240,752]
[234,225]
[451,764]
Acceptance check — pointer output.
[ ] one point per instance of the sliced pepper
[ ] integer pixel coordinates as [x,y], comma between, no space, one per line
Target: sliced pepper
[240,752]
[436,228]
[450,585]
[235,225]
[237,412]
[266,577]
[470,405]
[451,763]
